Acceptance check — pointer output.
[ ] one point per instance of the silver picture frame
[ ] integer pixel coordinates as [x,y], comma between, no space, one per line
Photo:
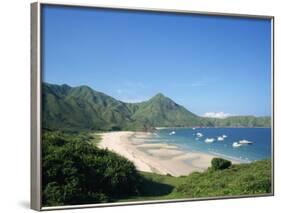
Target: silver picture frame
[36,104]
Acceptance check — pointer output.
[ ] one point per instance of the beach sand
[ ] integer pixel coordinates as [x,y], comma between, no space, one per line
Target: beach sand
[159,158]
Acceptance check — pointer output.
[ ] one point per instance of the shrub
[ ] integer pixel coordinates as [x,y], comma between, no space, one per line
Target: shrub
[76,172]
[220,163]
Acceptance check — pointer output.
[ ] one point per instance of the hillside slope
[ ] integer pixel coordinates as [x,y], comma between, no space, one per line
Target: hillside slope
[82,108]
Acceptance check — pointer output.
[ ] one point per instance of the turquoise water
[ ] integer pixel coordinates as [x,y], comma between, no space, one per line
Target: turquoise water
[187,138]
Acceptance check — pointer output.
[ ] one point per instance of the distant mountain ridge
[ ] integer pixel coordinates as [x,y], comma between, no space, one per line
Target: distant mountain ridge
[82,108]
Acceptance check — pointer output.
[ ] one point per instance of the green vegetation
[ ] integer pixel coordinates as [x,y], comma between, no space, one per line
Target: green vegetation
[237,121]
[81,108]
[220,164]
[75,171]
[243,179]
[162,111]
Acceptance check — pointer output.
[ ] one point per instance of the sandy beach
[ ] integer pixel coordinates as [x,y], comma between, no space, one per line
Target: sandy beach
[160,158]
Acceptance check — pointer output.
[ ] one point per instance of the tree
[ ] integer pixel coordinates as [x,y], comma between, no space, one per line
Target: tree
[220,163]
[76,172]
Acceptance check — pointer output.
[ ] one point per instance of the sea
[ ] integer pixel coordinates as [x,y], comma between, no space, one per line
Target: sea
[220,141]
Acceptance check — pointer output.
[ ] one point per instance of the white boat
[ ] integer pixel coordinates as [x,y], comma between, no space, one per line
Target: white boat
[172,133]
[209,140]
[236,144]
[245,142]
[224,136]
[193,128]
[220,138]
[199,135]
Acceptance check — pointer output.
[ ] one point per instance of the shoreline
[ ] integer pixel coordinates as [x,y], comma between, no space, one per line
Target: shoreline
[160,158]
[214,127]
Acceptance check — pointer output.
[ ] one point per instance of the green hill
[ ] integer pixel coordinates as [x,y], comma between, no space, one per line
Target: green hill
[162,111]
[237,121]
[82,108]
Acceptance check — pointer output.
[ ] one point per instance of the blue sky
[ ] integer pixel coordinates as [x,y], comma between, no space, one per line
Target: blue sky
[205,63]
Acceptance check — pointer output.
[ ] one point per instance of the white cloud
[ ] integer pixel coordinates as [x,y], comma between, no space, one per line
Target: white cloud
[216,114]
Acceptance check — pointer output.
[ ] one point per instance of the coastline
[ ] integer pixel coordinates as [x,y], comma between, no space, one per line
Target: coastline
[160,158]
[214,127]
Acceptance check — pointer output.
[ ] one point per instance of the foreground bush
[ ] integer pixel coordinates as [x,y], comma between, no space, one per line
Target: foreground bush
[220,164]
[76,172]
[243,179]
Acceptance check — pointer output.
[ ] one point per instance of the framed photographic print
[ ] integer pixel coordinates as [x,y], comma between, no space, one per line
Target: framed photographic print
[138,105]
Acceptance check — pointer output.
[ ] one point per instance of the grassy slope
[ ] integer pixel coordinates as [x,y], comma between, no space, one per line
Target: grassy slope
[244,179]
